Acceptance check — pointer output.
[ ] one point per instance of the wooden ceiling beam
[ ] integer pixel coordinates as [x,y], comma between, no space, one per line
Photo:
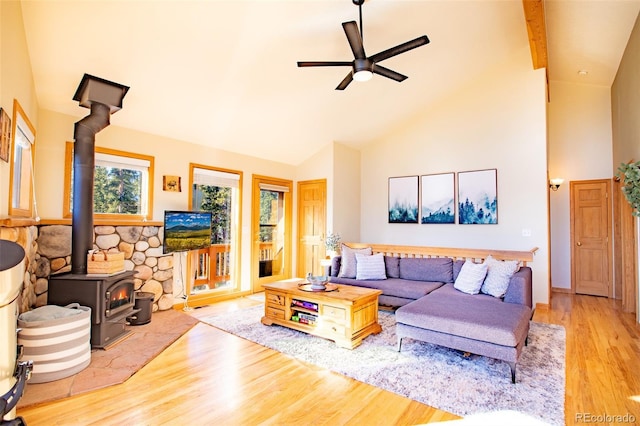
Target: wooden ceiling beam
[537,31]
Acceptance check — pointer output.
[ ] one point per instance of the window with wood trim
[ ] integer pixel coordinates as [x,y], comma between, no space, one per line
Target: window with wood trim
[122,187]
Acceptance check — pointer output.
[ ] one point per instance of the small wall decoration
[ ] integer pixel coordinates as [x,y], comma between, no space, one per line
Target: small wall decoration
[403,199]
[171,183]
[478,197]
[438,198]
[5,135]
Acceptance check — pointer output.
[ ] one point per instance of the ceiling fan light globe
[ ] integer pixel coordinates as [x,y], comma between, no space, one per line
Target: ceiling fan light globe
[362,75]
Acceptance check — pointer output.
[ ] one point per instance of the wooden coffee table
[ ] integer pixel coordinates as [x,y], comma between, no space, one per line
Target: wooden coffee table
[345,315]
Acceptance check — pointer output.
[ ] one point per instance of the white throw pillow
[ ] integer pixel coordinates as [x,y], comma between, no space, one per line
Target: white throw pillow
[499,273]
[348,260]
[370,267]
[471,277]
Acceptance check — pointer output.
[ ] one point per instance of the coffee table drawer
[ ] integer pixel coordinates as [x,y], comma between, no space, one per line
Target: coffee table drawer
[274,313]
[338,330]
[275,299]
[334,312]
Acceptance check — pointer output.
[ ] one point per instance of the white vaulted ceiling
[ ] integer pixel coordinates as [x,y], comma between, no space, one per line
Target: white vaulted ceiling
[224,74]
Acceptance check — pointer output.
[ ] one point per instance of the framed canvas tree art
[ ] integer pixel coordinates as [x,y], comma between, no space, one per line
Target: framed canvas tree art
[478,197]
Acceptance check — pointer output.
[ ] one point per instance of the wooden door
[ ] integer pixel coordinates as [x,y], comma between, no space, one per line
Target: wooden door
[312,206]
[590,237]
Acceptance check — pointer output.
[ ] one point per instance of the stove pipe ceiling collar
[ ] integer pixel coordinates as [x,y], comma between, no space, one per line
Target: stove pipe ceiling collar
[95,89]
[104,98]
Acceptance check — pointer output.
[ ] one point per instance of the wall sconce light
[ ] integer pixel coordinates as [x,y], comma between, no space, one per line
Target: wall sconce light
[555,183]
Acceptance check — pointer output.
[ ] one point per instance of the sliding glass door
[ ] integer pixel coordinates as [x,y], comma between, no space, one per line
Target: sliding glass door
[219,191]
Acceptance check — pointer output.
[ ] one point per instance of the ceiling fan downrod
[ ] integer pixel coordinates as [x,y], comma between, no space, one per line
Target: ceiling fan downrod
[359,3]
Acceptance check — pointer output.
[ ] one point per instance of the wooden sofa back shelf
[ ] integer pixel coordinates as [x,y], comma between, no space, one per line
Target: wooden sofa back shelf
[476,255]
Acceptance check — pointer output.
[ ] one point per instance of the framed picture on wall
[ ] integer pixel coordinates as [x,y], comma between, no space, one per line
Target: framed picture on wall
[403,199]
[438,198]
[5,135]
[478,197]
[171,183]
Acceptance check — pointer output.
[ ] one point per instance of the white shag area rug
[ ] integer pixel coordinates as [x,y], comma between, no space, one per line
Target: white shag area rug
[440,377]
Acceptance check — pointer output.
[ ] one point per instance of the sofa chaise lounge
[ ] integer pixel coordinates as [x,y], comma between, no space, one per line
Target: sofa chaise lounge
[421,285]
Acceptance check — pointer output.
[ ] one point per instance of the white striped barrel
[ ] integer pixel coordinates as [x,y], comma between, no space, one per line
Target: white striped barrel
[57,340]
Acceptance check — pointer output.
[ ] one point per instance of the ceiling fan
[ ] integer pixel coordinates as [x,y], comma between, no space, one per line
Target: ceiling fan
[364,67]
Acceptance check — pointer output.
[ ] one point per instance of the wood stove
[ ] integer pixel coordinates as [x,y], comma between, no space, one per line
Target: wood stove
[110,297]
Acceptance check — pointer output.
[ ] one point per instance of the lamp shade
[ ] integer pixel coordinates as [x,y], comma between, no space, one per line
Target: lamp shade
[555,183]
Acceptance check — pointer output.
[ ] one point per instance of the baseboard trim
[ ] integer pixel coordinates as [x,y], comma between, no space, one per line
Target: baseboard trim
[561,290]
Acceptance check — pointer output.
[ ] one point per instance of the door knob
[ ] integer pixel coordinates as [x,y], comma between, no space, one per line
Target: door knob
[579,243]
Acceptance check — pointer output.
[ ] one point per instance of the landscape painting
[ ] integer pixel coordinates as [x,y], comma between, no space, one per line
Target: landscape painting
[438,198]
[184,230]
[403,199]
[478,197]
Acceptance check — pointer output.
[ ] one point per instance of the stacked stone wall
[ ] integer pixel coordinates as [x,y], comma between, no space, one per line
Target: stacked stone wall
[48,251]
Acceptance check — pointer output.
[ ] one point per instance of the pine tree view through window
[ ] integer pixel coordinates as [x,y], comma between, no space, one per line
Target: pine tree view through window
[121,185]
[117,190]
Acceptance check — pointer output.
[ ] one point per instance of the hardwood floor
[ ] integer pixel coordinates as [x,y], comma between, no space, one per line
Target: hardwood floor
[211,377]
[603,356]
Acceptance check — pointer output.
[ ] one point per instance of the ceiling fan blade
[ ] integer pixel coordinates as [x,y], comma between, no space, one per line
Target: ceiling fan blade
[401,48]
[386,72]
[355,41]
[344,83]
[324,64]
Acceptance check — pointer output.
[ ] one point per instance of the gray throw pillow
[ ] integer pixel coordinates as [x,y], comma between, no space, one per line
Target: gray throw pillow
[348,261]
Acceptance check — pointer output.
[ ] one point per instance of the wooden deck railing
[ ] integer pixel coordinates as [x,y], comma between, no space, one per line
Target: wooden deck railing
[220,262]
[266,251]
[213,265]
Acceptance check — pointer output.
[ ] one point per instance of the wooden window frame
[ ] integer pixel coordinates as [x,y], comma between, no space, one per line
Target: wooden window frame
[68,166]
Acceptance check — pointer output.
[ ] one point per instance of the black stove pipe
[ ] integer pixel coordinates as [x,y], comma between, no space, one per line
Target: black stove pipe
[83,174]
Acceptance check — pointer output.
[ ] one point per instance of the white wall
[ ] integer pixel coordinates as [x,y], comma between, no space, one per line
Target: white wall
[579,149]
[347,193]
[498,122]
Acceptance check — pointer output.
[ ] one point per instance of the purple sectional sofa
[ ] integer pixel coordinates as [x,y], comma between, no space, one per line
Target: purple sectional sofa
[430,309]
